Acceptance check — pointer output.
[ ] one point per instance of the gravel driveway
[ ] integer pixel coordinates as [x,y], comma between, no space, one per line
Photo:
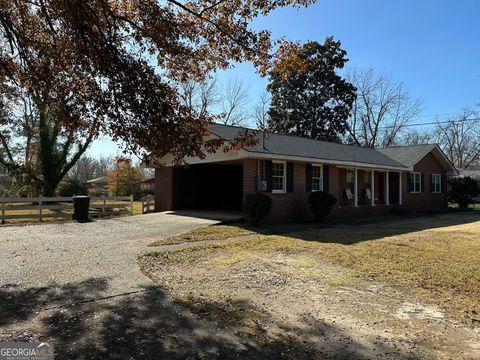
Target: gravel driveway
[79,287]
[61,253]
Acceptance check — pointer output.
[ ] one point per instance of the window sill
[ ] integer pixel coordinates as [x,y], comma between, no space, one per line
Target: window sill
[279,192]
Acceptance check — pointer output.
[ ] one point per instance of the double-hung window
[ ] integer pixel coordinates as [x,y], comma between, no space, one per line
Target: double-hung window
[317,177]
[436,183]
[278,177]
[416,182]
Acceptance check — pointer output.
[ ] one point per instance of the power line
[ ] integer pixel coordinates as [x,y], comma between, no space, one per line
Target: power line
[428,123]
[441,114]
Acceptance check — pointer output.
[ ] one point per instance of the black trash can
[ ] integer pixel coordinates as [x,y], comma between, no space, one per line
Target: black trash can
[81,204]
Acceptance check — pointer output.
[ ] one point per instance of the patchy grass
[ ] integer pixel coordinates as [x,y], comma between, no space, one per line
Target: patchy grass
[215,232]
[137,208]
[436,256]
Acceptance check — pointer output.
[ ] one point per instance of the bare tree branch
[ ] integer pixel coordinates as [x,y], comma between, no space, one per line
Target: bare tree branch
[234,103]
[381,111]
[460,139]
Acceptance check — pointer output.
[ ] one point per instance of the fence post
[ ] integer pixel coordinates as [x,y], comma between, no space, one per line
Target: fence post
[131,204]
[104,204]
[40,209]
[3,212]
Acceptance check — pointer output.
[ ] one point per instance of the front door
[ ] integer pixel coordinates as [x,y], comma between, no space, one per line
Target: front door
[381,187]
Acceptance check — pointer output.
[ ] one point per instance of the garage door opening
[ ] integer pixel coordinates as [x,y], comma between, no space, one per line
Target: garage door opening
[208,186]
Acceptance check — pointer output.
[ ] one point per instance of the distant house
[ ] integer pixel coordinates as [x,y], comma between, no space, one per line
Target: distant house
[147,186]
[99,183]
[288,168]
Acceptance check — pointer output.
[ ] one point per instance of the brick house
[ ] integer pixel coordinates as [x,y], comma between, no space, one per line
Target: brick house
[365,181]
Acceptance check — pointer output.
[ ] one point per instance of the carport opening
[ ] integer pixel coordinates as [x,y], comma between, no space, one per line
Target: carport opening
[208,187]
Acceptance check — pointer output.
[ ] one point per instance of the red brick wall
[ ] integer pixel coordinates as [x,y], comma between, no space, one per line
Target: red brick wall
[249,176]
[293,206]
[342,184]
[163,189]
[290,207]
[426,200]
[286,207]
[334,187]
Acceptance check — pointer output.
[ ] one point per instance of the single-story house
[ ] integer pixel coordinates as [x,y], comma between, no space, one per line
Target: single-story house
[147,186]
[365,181]
[99,183]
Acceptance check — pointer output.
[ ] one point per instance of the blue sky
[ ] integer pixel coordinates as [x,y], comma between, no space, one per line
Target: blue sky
[433,47]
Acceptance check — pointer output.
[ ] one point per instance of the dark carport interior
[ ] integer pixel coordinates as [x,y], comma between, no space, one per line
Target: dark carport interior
[208,186]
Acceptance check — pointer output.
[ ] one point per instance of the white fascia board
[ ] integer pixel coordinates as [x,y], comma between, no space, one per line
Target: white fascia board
[258,155]
[209,158]
[243,154]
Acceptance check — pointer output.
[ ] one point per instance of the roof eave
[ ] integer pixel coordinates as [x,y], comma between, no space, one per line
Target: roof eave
[273,156]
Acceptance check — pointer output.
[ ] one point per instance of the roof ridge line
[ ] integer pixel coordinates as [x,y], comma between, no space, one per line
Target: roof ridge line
[301,137]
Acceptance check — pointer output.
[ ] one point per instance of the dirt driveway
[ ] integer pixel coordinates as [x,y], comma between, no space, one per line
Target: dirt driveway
[79,287]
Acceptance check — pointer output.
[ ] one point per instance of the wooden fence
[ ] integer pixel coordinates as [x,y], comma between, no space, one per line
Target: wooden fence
[61,207]
[148,204]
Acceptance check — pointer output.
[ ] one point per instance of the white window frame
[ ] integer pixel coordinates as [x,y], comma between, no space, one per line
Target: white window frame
[284,182]
[414,190]
[320,179]
[439,177]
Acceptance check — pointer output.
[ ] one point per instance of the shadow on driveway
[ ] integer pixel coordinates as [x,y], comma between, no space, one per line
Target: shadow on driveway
[147,324]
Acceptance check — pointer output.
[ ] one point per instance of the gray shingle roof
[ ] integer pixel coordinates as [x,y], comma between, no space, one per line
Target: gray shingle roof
[276,144]
[407,155]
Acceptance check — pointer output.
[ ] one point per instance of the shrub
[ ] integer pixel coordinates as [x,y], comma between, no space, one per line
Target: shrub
[461,190]
[257,206]
[72,187]
[97,192]
[321,203]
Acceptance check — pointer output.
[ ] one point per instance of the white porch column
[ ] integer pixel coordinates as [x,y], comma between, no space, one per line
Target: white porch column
[372,190]
[387,186]
[355,189]
[400,188]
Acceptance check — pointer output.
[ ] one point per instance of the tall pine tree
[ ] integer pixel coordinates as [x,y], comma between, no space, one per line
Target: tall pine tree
[309,98]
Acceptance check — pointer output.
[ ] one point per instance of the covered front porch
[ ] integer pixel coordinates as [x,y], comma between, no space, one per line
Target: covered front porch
[369,187]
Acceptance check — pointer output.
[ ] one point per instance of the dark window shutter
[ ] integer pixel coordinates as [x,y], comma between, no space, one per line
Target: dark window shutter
[442,184]
[268,175]
[308,178]
[289,177]
[422,177]
[326,178]
[431,183]
[410,182]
